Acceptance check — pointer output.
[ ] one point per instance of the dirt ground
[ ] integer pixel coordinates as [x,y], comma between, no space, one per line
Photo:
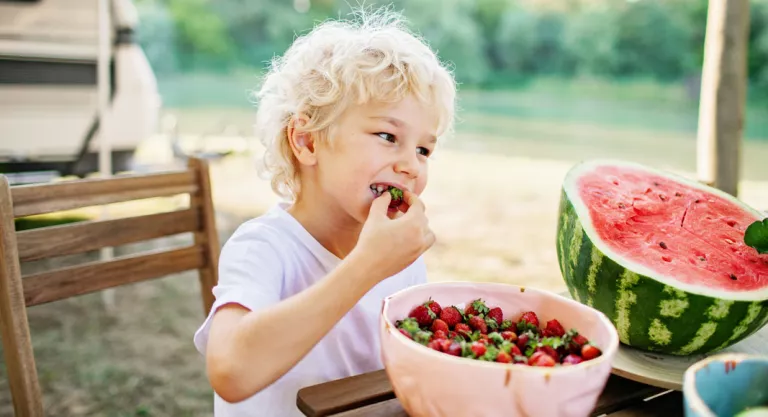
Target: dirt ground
[494,217]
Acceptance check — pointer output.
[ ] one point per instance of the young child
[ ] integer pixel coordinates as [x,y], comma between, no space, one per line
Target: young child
[350,110]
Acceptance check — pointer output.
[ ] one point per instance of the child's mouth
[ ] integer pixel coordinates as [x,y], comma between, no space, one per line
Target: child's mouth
[397,194]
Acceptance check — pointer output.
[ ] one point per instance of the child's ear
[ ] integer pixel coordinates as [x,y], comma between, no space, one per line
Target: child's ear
[302,142]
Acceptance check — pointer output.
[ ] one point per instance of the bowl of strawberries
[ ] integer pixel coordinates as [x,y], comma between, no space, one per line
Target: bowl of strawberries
[489,349]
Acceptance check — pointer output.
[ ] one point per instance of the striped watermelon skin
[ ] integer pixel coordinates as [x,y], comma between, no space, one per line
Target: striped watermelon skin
[648,314]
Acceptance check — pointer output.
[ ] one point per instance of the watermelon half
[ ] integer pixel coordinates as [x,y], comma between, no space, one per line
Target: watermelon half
[662,256]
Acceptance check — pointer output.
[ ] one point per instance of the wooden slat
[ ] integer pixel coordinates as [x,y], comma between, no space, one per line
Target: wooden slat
[344,394]
[91,235]
[667,405]
[373,388]
[49,198]
[82,279]
[207,236]
[14,327]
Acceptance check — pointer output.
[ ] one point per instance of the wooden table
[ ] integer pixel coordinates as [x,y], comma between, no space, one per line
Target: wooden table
[371,395]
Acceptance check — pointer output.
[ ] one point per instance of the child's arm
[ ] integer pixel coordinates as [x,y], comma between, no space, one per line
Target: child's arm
[247,351]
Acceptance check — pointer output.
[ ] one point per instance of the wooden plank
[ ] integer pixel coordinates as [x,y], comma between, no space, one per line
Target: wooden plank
[344,394]
[66,195]
[667,405]
[14,327]
[91,235]
[723,94]
[94,276]
[207,237]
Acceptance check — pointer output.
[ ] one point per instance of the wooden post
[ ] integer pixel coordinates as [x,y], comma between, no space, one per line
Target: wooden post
[723,94]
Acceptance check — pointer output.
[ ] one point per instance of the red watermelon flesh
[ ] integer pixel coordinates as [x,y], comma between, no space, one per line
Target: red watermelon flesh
[673,228]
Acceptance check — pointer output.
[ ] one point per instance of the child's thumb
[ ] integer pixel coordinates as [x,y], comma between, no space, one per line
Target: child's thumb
[381,205]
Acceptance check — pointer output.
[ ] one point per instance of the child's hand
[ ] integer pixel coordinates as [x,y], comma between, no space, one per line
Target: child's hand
[389,245]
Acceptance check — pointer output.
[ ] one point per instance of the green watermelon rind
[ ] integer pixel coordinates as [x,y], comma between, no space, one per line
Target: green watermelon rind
[650,311]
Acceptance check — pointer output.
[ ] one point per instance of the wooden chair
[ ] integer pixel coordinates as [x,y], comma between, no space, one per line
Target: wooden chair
[18,292]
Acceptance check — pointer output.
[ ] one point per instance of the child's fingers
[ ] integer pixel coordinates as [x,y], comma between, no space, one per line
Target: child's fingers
[380,205]
[413,201]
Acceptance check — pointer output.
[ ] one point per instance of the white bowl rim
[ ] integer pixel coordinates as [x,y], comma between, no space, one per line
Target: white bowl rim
[689,378]
[608,351]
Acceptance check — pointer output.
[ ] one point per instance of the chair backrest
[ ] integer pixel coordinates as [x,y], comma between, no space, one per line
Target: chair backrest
[18,292]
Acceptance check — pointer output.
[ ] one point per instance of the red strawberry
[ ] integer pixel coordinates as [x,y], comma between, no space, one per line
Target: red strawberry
[423,315]
[514,350]
[440,325]
[531,318]
[550,351]
[445,344]
[440,335]
[477,323]
[485,339]
[476,308]
[405,333]
[508,335]
[572,360]
[554,328]
[451,316]
[478,348]
[522,340]
[452,335]
[463,329]
[436,345]
[497,315]
[434,306]
[503,357]
[451,347]
[589,352]
[541,359]
[580,340]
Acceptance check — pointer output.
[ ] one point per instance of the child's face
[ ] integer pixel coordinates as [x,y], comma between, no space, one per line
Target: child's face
[376,144]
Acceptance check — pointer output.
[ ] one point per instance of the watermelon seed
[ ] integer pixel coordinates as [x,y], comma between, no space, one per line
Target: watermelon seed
[666,258]
[733,277]
[663,245]
[662,197]
[678,195]
[656,184]
[729,241]
[702,259]
[731,223]
[621,205]
[697,201]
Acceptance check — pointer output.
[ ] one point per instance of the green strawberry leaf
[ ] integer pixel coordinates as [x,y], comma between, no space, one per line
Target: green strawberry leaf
[490,354]
[491,323]
[506,324]
[524,326]
[756,236]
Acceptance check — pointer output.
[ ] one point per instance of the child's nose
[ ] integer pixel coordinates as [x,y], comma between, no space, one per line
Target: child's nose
[408,164]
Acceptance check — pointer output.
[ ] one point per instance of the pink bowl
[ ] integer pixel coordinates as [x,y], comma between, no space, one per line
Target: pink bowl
[431,383]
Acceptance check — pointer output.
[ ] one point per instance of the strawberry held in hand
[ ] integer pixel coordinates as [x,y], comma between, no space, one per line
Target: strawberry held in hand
[482,333]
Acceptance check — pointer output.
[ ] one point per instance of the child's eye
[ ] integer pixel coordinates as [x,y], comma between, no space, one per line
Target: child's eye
[424,151]
[386,136]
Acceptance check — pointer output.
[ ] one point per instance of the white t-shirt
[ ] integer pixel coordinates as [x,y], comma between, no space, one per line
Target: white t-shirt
[272,257]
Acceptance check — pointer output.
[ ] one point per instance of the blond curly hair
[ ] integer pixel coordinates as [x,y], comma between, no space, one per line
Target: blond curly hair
[338,63]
